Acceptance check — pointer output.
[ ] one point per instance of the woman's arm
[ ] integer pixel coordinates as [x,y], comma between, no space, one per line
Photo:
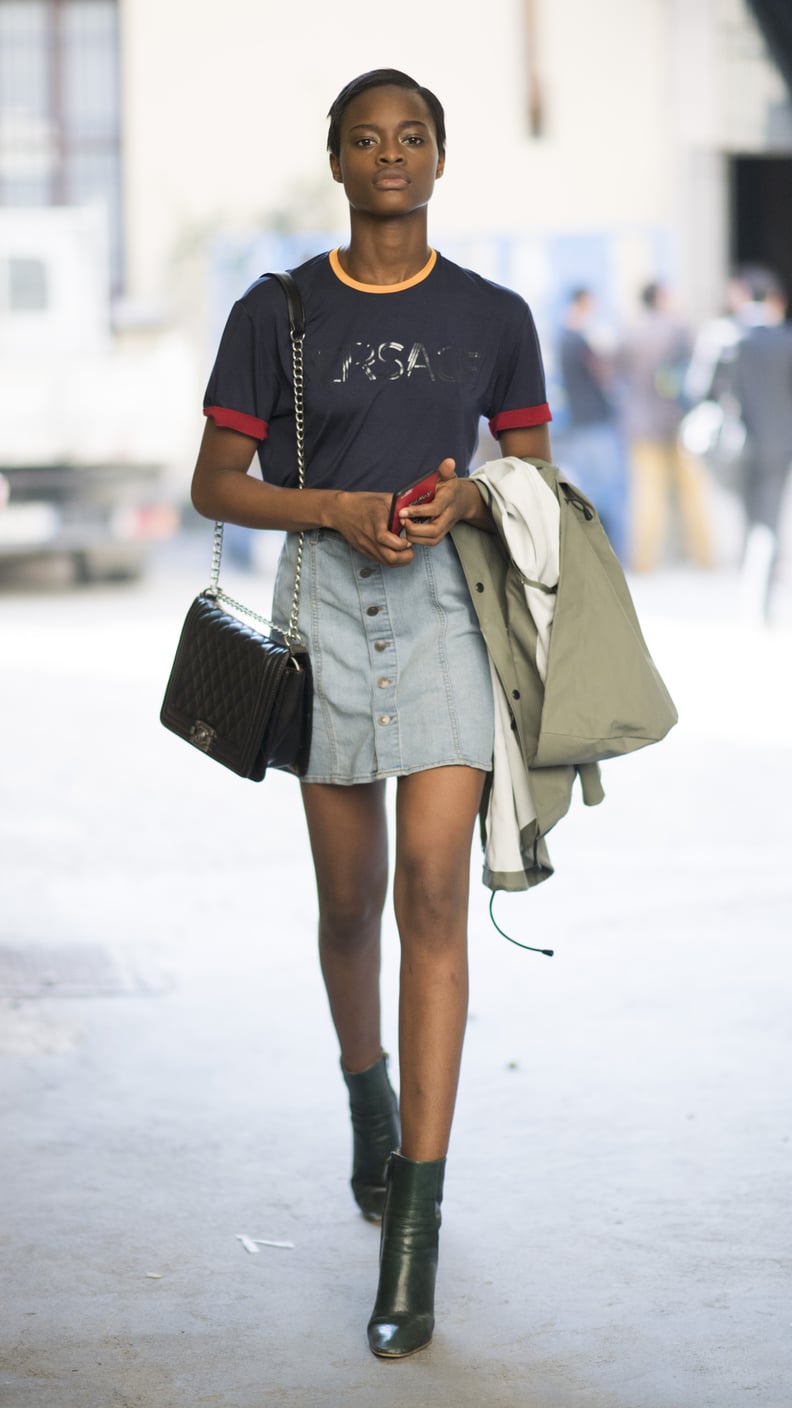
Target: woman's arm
[534,442]
[223,489]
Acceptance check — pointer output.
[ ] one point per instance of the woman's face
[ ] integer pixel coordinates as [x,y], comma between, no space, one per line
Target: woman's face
[388,159]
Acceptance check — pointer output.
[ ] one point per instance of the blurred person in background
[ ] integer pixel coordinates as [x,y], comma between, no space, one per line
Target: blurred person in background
[714,345]
[591,447]
[761,379]
[653,359]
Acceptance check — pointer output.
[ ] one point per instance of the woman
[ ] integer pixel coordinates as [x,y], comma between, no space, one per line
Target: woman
[405,352]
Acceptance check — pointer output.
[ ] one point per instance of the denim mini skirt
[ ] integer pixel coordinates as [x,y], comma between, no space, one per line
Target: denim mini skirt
[400,669]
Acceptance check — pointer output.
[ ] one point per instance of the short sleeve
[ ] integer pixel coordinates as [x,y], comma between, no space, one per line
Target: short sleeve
[242,387]
[517,395]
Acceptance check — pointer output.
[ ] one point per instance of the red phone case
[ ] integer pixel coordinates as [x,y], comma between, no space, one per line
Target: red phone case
[421,491]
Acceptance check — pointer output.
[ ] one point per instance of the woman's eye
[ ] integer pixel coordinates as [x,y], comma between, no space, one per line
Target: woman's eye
[414,140]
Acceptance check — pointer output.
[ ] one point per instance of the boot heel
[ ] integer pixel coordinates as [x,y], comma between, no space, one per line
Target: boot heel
[402,1321]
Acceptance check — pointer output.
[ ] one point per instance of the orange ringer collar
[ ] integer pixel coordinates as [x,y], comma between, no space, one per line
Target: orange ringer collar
[418,278]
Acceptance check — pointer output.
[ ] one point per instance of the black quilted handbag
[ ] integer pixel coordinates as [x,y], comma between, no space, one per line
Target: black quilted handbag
[242,696]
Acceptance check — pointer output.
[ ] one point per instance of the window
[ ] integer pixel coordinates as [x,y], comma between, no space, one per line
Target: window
[27,286]
[60,108]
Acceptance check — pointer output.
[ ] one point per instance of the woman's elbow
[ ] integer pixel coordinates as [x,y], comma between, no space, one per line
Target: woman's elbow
[223,460]
[201,497]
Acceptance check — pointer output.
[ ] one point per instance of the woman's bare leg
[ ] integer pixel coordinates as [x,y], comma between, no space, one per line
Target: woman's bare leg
[436,813]
[348,833]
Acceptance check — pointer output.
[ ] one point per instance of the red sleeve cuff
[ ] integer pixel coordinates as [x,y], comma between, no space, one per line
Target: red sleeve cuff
[520,420]
[237,420]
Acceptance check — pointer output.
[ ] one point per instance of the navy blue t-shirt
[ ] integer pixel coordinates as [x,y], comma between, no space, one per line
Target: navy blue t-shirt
[397,377]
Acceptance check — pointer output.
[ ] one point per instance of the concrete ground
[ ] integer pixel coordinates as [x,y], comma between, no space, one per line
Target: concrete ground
[617,1210]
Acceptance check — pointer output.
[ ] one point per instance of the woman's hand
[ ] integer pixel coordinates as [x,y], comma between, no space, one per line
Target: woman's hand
[456,501]
[362,518]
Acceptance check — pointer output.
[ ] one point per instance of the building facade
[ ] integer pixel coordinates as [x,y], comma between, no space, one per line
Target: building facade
[605,144]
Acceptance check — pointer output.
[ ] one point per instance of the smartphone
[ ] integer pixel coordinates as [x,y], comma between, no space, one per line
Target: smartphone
[421,491]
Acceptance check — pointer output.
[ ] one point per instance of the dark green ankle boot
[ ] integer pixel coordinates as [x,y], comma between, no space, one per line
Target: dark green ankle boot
[375,1133]
[402,1320]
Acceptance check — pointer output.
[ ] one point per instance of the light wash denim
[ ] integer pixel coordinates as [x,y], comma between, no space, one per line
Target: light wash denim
[401,673]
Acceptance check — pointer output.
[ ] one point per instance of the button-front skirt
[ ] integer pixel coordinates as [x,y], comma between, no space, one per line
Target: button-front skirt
[401,675]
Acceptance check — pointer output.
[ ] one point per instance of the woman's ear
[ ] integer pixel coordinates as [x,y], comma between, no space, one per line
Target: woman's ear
[440,166]
[335,167]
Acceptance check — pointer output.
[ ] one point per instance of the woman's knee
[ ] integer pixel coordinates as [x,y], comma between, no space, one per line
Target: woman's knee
[351,918]
[430,898]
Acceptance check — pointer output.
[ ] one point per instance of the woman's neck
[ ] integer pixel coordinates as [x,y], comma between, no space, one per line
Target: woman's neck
[381,253]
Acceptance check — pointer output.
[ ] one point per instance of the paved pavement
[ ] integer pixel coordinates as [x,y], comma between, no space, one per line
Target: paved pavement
[617,1210]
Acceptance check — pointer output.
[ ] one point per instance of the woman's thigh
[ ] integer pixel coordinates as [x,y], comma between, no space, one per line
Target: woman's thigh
[347,827]
[436,813]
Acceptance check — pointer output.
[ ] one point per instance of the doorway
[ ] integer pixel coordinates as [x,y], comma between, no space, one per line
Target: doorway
[761,214]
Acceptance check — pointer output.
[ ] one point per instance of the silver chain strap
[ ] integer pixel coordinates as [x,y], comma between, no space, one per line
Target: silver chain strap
[291,632]
[297,340]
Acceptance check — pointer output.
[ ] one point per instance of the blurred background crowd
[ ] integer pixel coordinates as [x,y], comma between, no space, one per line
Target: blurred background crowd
[660,415]
[626,166]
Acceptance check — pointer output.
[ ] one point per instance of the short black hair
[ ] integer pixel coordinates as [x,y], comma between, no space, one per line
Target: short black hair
[382,78]
[760,282]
